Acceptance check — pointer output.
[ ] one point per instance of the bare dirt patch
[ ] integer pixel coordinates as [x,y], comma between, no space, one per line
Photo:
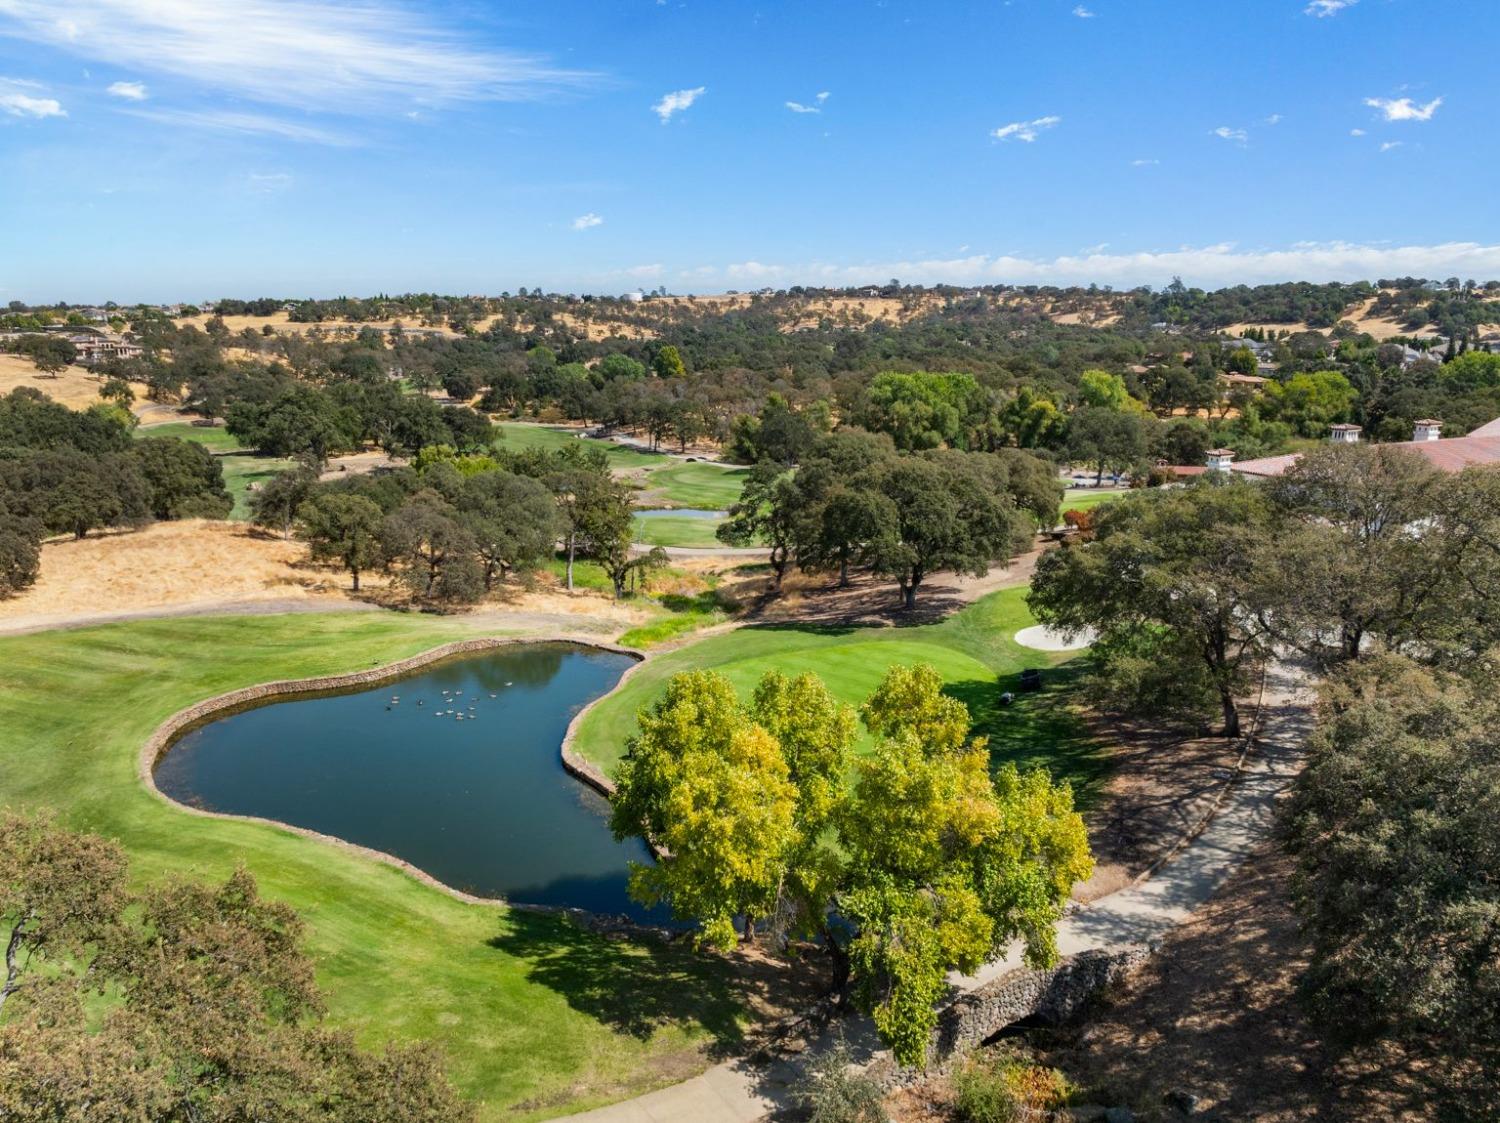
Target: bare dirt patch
[1214,1013]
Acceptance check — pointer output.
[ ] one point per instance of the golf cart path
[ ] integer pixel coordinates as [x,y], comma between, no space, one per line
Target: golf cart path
[741,1092]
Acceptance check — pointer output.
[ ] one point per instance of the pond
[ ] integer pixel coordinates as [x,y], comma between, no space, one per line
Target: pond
[680,513]
[455,769]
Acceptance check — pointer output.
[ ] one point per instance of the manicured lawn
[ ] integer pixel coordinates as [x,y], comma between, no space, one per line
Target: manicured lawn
[242,471]
[974,651]
[215,438]
[700,484]
[678,482]
[677,530]
[1086,500]
[536,1017]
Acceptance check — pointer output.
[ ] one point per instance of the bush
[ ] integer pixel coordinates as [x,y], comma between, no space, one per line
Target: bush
[1006,1088]
[830,1092]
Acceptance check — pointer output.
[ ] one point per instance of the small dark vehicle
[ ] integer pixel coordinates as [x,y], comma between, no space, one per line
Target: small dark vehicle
[1031,679]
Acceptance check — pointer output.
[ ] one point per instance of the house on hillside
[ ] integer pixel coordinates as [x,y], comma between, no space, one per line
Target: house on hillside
[1449,454]
[96,347]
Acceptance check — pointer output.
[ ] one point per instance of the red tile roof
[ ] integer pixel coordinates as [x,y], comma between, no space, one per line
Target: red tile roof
[1452,454]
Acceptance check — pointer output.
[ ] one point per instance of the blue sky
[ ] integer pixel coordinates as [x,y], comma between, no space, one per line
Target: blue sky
[171,149]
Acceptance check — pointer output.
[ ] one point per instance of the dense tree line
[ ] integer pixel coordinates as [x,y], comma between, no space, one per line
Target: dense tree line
[178,1003]
[454,526]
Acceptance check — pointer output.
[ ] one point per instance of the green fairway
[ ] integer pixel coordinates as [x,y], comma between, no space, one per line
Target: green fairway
[1087,500]
[535,1016]
[699,484]
[215,438]
[242,471]
[677,530]
[668,480]
[973,650]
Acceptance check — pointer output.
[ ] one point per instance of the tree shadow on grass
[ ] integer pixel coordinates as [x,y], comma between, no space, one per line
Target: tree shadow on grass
[635,987]
[1038,729]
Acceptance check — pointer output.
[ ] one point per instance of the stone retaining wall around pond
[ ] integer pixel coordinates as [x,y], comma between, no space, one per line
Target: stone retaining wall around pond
[162,738]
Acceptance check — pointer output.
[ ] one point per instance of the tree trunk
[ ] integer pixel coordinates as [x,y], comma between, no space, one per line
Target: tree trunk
[843,573]
[909,596]
[572,551]
[355,574]
[1231,712]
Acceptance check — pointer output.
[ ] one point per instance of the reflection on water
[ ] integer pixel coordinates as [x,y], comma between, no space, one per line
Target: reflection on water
[455,769]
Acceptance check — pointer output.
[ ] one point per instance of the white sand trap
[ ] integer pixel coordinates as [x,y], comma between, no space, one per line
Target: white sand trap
[1042,638]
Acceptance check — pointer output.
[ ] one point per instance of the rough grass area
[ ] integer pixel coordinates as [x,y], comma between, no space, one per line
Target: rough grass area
[973,650]
[536,1017]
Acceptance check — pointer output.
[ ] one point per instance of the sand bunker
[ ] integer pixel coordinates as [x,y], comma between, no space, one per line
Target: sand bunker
[1042,638]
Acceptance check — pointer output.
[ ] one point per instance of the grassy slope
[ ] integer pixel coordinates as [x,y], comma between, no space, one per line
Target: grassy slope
[1076,502]
[533,1014]
[214,438]
[241,468]
[971,650]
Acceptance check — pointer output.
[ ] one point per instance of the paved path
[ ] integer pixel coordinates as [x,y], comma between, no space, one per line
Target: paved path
[739,1092]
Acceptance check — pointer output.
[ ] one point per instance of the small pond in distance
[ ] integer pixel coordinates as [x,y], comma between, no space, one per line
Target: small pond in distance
[480,801]
[680,513]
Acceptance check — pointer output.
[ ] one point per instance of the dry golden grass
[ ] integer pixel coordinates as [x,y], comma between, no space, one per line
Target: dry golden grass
[279,322]
[75,387]
[167,565]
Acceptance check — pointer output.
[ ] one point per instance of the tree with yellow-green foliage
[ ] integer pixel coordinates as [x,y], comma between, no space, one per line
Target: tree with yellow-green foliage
[935,863]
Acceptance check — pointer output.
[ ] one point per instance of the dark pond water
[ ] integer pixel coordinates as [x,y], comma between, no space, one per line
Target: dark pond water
[480,801]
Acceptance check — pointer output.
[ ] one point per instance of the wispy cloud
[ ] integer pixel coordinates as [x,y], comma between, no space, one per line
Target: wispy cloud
[1386,146]
[798,107]
[586,221]
[1403,108]
[306,53]
[269,183]
[17,101]
[1325,8]
[1273,119]
[1356,132]
[245,124]
[1209,266]
[1026,131]
[1083,13]
[676,102]
[1144,163]
[130,91]
[823,96]
[1224,132]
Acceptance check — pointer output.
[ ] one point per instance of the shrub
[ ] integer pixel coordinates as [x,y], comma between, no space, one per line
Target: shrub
[1006,1088]
[830,1092]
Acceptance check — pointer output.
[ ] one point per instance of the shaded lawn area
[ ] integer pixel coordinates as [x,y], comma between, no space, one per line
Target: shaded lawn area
[240,472]
[700,484]
[1087,500]
[532,1013]
[974,650]
[516,437]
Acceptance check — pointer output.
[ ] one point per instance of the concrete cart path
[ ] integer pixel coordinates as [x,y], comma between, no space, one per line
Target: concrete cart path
[740,1091]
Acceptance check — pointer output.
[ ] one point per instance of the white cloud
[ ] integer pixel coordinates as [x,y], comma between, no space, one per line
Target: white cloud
[269,183]
[16,102]
[248,124]
[1224,132]
[1026,131]
[130,91]
[676,102]
[586,221]
[645,272]
[1390,144]
[1356,132]
[1274,119]
[824,96]
[798,107]
[1144,163]
[1207,266]
[307,53]
[1083,13]
[1404,109]
[1325,8]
